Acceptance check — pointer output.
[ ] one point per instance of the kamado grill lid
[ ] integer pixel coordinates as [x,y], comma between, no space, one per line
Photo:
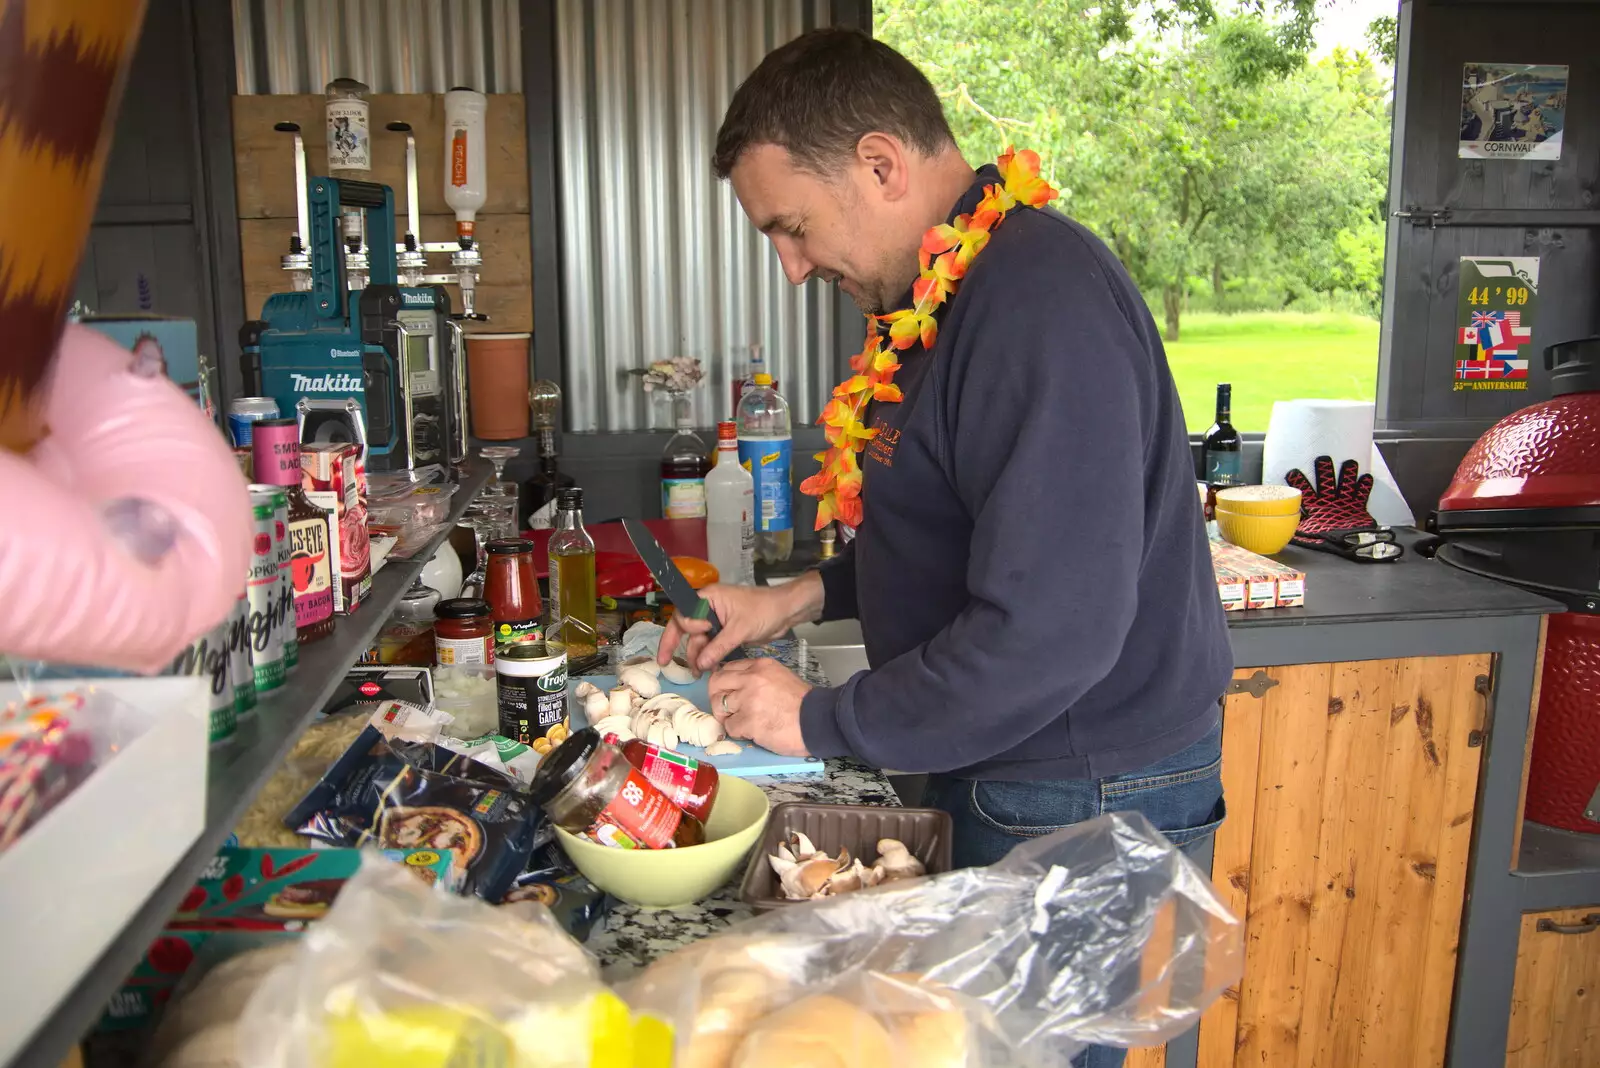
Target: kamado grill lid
[1540,466]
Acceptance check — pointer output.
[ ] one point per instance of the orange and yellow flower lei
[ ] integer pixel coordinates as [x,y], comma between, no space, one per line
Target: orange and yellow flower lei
[947,252]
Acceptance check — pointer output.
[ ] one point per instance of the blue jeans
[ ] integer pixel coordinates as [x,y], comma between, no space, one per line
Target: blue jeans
[1181,795]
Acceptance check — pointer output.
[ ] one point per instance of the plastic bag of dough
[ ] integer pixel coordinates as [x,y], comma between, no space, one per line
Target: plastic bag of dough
[1101,933]
[404,975]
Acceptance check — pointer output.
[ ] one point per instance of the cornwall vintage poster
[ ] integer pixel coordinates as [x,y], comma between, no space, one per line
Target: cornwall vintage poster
[1512,111]
[1495,309]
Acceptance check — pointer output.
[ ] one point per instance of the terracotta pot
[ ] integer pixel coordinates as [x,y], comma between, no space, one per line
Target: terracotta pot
[497,385]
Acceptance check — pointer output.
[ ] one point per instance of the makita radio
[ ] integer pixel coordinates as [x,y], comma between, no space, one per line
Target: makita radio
[394,351]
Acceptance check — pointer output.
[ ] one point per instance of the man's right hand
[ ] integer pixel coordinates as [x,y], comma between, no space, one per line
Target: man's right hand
[747,614]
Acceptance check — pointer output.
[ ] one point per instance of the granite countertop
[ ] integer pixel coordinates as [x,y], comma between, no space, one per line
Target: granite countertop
[632,937]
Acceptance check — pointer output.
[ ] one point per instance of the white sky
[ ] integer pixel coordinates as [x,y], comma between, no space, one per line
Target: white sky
[1344,22]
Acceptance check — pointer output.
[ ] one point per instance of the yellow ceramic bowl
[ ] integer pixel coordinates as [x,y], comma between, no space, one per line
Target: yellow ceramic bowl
[1260,500]
[1262,534]
[662,878]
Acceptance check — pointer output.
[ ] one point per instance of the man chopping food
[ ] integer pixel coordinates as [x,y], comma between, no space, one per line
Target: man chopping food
[1029,563]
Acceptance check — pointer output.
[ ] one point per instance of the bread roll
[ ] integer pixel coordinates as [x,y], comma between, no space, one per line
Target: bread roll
[821,1031]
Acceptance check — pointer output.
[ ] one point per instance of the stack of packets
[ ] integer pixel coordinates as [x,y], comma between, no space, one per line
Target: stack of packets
[1245,580]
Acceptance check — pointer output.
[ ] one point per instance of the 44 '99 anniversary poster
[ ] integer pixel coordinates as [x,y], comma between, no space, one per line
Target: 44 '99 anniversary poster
[1495,307]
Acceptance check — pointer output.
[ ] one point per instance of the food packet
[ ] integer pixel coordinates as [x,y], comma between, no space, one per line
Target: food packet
[1101,933]
[417,795]
[397,974]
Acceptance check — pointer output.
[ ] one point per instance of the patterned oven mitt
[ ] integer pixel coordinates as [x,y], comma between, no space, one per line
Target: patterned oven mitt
[1334,516]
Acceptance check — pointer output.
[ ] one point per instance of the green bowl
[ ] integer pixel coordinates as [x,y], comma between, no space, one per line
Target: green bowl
[665,878]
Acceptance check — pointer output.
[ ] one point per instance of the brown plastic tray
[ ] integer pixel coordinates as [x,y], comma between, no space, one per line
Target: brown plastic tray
[926,832]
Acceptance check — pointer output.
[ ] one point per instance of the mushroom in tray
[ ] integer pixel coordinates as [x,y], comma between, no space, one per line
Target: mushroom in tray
[806,872]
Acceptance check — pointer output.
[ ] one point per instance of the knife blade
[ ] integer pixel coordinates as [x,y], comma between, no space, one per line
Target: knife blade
[683,596]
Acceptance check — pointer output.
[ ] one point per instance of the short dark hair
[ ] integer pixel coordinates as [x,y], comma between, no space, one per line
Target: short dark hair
[818,95]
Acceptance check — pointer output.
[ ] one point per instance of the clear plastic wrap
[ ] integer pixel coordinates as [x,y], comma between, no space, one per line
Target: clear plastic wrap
[401,974]
[1102,933]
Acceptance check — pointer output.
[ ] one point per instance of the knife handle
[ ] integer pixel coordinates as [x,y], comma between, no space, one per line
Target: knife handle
[703,610]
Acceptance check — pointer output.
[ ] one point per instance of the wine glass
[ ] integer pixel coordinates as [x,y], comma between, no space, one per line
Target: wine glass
[498,455]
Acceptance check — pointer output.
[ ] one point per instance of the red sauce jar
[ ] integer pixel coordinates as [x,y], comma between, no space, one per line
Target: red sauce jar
[588,788]
[511,586]
[463,632]
[688,783]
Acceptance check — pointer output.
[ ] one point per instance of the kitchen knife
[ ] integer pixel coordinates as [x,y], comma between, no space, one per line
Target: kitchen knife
[683,596]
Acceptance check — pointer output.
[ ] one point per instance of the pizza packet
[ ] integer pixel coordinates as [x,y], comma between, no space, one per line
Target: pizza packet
[400,794]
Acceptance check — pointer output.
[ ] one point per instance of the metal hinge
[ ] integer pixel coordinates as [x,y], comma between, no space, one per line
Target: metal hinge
[1256,685]
[1429,217]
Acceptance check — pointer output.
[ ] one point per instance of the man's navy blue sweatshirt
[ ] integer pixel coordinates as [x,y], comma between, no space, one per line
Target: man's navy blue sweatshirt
[1031,575]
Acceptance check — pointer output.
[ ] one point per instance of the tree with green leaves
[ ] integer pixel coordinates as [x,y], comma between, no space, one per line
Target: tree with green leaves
[1209,150]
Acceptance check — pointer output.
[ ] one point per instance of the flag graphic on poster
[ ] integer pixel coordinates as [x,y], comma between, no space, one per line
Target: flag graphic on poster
[1495,306]
[1512,111]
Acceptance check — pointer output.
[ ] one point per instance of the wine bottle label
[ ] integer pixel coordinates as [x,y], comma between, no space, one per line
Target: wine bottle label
[310,566]
[1223,467]
[683,498]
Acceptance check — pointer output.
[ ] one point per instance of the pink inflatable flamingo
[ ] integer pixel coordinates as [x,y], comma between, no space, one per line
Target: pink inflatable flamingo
[125,524]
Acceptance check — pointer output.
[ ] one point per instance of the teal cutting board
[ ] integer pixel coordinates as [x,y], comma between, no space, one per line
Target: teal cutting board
[751,760]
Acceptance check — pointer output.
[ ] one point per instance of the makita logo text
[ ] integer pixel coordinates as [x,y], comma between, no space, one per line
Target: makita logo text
[417,298]
[325,383]
[345,354]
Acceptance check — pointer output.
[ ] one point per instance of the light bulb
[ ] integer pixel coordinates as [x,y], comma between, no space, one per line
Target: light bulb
[544,397]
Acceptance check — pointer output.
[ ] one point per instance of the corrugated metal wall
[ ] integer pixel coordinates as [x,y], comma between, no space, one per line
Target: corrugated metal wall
[658,260]
[394,46]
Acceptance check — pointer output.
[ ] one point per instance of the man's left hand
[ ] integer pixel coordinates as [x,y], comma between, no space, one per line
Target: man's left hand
[759,699]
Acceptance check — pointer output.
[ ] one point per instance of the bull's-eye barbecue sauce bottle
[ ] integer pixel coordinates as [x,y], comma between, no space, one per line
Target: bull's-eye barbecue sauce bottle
[275,450]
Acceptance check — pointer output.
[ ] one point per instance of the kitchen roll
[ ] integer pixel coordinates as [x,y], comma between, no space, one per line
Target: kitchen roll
[1302,430]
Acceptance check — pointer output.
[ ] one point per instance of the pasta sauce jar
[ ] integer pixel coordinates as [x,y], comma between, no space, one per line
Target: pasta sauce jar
[463,633]
[511,586]
[588,788]
[688,783]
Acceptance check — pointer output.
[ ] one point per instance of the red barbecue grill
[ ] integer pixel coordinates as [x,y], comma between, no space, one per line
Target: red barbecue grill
[1524,508]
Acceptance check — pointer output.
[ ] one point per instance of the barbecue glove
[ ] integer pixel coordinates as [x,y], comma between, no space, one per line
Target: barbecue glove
[1334,516]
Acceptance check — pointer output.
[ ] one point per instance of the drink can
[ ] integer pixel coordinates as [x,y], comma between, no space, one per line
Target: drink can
[207,658]
[243,412]
[531,686]
[265,590]
[240,668]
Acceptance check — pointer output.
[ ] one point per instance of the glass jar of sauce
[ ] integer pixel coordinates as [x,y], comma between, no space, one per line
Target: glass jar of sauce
[463,632]
[688,783]
[588,788]
[511,586]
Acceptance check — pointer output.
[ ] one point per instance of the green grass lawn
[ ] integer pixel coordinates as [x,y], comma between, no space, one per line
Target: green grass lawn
[1271,356]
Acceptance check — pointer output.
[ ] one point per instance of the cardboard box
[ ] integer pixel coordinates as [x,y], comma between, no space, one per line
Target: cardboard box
[1230,587]
[72,881]
[1266,583]
[238,904]
[371,685]
[328,476]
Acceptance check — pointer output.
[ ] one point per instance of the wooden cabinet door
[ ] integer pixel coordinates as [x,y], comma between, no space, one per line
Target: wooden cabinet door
[1555,1006]
[1350,790]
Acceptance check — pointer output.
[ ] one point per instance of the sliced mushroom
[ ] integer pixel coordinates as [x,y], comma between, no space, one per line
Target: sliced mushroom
[678,672]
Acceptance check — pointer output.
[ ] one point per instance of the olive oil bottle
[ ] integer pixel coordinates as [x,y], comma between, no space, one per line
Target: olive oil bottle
[572,597]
